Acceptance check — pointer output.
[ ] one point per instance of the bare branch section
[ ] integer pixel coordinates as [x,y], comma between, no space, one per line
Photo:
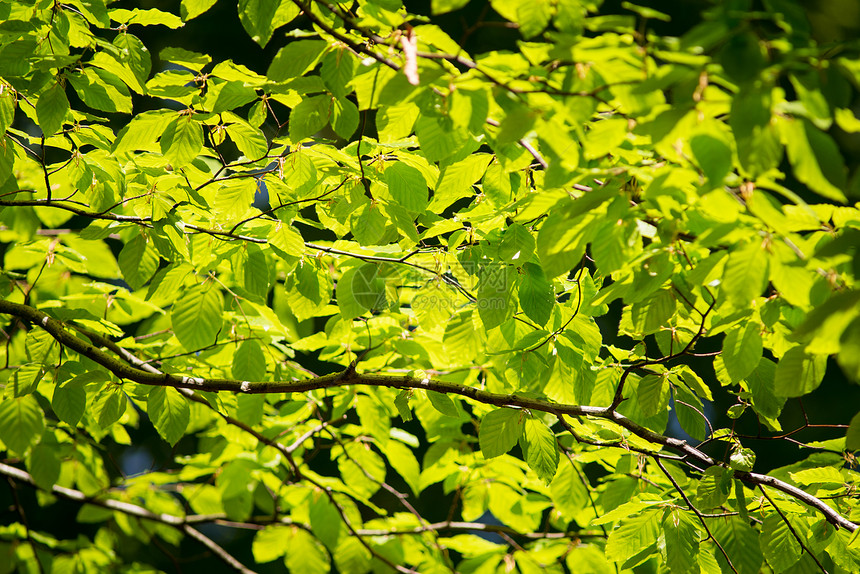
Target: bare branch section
[133,510]
[350,377]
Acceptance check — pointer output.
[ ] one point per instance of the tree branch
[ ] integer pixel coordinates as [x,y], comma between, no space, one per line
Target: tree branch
[131,510]
[350,377]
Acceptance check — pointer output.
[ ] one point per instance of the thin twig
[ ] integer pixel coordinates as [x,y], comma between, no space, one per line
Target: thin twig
[696,512]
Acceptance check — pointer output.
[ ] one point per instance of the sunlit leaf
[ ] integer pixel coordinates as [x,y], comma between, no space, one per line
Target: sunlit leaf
[169,413]
[500,431]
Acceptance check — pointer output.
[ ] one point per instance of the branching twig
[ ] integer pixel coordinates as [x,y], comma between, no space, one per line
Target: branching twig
[791,529]
[123,370]
[696,512]
[132,510]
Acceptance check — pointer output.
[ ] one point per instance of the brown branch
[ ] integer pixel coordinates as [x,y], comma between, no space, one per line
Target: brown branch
[696,512]
[286,451]
[131,510]
[76,210]
[61,334]
[791,529]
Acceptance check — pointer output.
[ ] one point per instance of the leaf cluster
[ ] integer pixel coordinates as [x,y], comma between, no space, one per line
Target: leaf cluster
[396,306]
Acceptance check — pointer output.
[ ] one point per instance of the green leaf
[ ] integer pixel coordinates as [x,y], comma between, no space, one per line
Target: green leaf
[109,404]
[604,137]
[326,523]
[825,325]
[517,245]
[26,379]
[541,448]
[101,90]
[351,556]
[270,543]
[309,289]
[745,274]
[132,62]
[374,418]
[690,411]
[361,469]
[407,186]
[44,466]
[286,240]
[653,313]
[500,430]
[142,132]
[196,317]
[437,137]
[401,403]
[536,294]
[69,401]
[182,140]
[21,423]
[261,18]
[456,180]
[568,491]
[741,543]
[249,362]
[256,271]
[7,160]
[849,350]
[231,95]
[714,487]
[369,285]
[169,412]
[759,147]
[7,110]
[401,458]
[337,71]
[495,295]
[496,185]
[821,475]
[561,243]
[635,536]
[682,541]
[190,9]
[443,403]
[778,544]
[532,17]
[344,117]
[138,262]
[234,199]
[798,373]
[395,122]
[52,108]
[194,61]
[742,459]
[713,155]
[444,6]
[250,140]
[742,351]
[148,17]
[852,435]
[347,301]
[295,59]
[761,384]
[461,340]
[309,117]
[653,394]
[816,158]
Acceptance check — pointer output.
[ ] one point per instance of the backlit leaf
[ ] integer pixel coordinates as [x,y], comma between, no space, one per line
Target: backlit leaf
[500,430]
[742,350]
[169,413]
[196,317]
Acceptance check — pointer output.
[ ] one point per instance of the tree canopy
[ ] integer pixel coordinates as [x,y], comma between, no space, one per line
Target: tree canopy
[547,296]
